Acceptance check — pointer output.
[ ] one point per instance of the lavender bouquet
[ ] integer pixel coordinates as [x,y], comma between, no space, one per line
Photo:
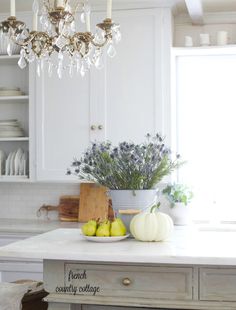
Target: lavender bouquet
[126,166]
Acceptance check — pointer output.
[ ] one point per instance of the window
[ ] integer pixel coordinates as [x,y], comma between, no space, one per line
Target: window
[206,129]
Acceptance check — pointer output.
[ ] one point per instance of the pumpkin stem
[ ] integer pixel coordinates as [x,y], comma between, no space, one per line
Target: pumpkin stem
[154,207]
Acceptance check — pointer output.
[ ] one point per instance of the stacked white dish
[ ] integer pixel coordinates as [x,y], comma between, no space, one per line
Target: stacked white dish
[10,128]
[15,163]
[10,91]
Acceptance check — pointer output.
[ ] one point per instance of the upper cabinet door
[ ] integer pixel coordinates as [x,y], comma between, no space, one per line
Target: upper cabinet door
[124,101]
[134,93]
[62,110]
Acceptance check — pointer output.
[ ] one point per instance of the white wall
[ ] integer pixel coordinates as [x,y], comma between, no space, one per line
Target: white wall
[21,201]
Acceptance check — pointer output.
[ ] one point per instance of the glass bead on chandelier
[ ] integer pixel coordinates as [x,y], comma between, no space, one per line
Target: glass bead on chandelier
[59,46]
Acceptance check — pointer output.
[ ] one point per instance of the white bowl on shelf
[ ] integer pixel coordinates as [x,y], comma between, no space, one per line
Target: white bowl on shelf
[11,93]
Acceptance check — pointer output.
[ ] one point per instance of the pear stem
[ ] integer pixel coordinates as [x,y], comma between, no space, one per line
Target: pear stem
[153,208]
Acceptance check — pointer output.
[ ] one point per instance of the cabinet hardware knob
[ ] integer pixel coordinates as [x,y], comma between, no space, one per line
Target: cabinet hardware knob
[100,127]
[93,127]
[126,281]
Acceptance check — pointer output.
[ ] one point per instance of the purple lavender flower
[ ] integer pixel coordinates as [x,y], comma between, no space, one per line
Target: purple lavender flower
[128,165]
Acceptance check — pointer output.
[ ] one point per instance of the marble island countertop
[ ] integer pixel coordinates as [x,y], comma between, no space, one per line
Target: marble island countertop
[21,226]
[185,246]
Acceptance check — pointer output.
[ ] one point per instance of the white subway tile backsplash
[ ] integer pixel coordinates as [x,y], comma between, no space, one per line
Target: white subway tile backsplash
[21,201]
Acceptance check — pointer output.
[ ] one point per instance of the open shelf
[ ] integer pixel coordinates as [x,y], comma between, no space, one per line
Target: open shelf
[14,98]
[14,139]
[9,60]
[14,178]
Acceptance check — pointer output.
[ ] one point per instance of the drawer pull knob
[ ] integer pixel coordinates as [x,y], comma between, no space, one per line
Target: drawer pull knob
[100,127]
[93,127]
[126,281]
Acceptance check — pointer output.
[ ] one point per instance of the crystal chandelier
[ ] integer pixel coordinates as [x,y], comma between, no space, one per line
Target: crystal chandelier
[59,44]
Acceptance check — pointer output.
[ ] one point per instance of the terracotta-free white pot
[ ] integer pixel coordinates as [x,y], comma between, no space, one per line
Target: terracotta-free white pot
[180,214]
[131,200]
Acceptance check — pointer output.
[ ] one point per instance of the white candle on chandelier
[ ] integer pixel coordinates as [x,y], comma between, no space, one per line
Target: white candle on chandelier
[109,8]
[13,8]
[87,20]
[35,22]
[60,3]
[35,9]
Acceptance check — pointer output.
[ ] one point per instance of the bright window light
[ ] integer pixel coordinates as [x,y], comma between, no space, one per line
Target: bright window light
[206,132]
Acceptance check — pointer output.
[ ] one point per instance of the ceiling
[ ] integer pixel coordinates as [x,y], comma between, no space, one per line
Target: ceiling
[208,5]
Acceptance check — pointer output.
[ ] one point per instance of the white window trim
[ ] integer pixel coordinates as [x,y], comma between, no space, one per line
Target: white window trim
[172,117]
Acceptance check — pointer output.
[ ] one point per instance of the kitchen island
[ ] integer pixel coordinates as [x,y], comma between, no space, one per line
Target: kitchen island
[192,270]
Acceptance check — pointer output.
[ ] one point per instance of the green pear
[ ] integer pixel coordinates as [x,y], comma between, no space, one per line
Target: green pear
[103,229]
[122,224]
[89,229]
[118,228]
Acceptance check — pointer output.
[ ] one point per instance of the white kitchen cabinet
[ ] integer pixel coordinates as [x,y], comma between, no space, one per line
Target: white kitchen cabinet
[12,270]
[135,89]
[63,123]
[19,108]
[123,101]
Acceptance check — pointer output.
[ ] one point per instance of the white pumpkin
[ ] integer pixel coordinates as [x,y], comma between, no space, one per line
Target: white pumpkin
[151,226]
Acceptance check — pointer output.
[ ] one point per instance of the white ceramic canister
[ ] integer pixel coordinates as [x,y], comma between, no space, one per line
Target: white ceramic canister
[204,39]
[222,38]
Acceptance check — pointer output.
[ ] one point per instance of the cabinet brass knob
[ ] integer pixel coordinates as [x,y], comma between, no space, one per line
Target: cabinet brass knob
[100,127]
[93,127]
[126,281]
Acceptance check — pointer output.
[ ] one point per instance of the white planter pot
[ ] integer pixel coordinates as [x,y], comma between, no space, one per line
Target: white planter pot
[180,214]
[129,199]
[132,199]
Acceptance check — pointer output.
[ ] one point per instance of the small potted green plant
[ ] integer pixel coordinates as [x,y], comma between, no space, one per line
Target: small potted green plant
[179,196]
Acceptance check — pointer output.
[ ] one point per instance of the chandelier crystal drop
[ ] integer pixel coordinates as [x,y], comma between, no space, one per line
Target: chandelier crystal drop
[59,46]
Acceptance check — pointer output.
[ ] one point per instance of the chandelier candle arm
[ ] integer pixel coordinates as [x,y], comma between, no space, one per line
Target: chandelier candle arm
[109,9]
[13,8]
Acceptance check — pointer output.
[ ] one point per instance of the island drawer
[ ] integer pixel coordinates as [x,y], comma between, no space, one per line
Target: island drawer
[173,283]
[218,284]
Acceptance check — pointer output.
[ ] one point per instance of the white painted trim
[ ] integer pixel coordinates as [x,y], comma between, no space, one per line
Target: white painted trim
[32,122]
[196,51]
[195,11]
[209,18]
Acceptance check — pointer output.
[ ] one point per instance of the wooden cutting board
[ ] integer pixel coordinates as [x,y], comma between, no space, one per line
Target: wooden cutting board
[94,202]
[68,209]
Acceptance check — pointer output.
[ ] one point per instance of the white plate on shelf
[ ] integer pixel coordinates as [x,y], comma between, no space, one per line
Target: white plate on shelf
[7,164]
[22,164]
[105,239]
[18,156]
[12,163]
[9,93]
